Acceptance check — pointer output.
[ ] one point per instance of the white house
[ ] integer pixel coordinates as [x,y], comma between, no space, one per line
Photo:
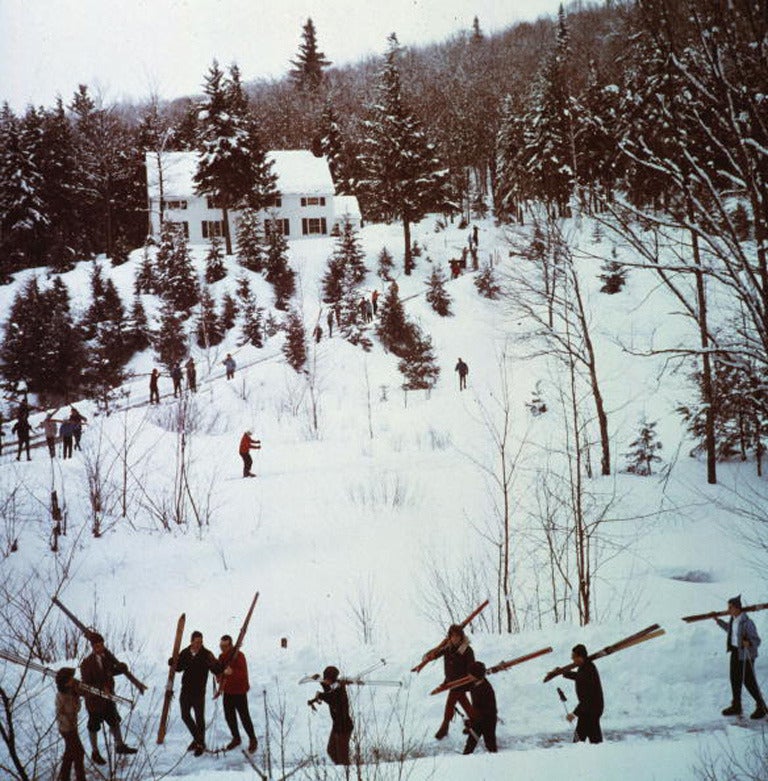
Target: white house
[306,205]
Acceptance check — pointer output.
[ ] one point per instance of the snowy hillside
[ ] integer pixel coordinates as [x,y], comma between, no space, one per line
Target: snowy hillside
[371,532]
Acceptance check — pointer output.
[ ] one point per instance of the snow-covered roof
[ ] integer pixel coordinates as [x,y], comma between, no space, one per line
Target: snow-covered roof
[346,206]
[298,172]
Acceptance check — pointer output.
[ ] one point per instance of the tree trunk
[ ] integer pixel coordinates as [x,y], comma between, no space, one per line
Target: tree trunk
[408,255]
[227,237]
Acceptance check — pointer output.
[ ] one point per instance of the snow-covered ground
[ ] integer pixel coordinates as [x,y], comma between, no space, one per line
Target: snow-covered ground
[359,517]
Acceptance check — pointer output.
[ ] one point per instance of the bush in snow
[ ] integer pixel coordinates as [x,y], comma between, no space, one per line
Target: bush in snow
[437,295]
[214,262]
[295,347]
[486,283]
[418,365]
[613,277]
[642,455]
[386,264]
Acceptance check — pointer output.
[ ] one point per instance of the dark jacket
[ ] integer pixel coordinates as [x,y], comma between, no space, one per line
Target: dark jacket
[338,703]
[194,669]
[483,701]
[456,661]
[102,676]
[589,691]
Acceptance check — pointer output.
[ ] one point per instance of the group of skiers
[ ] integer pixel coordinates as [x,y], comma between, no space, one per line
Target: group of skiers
[69,429]
[474,695]
[177,375]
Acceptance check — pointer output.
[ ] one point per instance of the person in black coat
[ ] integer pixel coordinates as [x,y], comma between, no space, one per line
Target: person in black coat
[334,693]
[589,693]
[457,658]
[194,663]
[483,724]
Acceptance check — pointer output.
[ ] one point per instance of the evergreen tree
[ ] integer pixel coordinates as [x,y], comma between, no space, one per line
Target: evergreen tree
[307,73]
[214,262]
[170,341]
[232,167]
[137,328]
[146,280]
[279,274]
[642,456]
[614,277]
[251,252]
[177,279]
[209,330]
[393,329]
[437,295]
[352,325]
[385,265]
[418,364]
[346,266]
[332,147]
[253,322]
[403,178]
[120,249]
[295,346]
[486,282]
[228,311]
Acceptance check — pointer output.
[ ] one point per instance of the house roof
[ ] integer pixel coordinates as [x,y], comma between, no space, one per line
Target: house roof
[298,172]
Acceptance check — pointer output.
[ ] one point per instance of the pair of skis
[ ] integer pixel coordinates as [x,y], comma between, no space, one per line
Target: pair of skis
[720,613]
[168,694]
[356,680]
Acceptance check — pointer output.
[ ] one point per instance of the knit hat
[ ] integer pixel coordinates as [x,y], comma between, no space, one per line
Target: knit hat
[580,650]
[735,601]
[330,673]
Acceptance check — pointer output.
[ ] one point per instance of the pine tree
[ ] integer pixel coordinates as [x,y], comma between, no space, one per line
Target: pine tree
[418,364]
[614,277]
[253,321]
[346,266]
[120,249]
[352,326]
[642,456]
[393,329]
[251,251]
[279,274]
[437,295]
[232,167]
[146,280]
[332,147]
[138,334]
[295,346]
[170,341]
[214,262]
[385,265]
[177,281]
[209,330]
[228,311]
[307,73]
[403,176]
[486,282]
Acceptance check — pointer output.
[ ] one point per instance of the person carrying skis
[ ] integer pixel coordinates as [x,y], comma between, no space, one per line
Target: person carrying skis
[742,644]
[22,428]
[483,724]
[195,662]
[247,443]
[191,375]
[457,657]
[49,429]
[589,693]
[98,669]
[67,710]
[176,376]
[334,693]
[67,432]
[230,366]
[154,389]
[233,682]
[77,420]
[463,371]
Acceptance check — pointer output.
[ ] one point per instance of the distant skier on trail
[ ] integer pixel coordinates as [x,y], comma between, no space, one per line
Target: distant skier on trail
[154,388]
[463,371]
[457,658]
[329,321]
[230,366]
[191,375]
[248,443]
[742,644]
[589,693]
[234,686]
[483,724]
[195,662]
[49,429]
[77,420]
[67,710]
[67,432]
[176,376]
[334,694]
[22,428]
[98,669]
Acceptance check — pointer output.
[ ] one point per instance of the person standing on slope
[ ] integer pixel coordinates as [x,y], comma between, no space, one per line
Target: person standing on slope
[463,371]
[67,710]
[483,725]
[742,644]
[247,443]
[234,686]
[334,694]
[230,366]
[457,658]
[589,693]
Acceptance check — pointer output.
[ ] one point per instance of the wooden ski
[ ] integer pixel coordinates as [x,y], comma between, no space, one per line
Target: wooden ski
[649,633]
[719,613]
[241,636]
[168,696]
[89,633]
[435,652]
[497,668]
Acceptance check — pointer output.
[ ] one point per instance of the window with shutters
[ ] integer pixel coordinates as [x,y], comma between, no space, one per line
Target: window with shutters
[314,226]
[313,201]
[212,228]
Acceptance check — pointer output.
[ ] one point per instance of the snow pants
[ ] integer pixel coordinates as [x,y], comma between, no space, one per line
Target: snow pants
[743,672]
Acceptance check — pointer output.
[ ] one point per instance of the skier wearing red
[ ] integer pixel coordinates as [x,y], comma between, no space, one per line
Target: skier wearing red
[247,443]
[234,686]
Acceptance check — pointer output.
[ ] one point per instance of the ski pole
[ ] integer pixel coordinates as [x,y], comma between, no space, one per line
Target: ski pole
[376,666]
[563,699]
[468,723]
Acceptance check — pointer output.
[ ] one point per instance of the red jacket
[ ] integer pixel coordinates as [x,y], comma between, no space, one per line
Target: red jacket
[246,443]
[237,682]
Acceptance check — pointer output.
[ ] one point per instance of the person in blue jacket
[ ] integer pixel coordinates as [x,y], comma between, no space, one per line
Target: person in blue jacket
[742,644]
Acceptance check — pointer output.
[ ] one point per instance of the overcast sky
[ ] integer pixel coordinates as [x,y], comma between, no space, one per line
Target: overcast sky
[129,48]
